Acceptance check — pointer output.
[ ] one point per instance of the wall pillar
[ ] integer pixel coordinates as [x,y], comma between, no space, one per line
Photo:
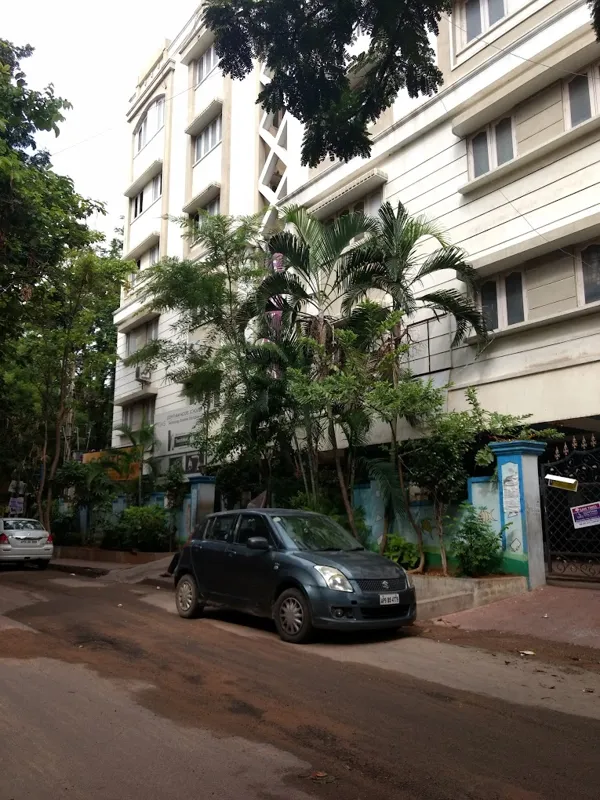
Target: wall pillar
[519,504]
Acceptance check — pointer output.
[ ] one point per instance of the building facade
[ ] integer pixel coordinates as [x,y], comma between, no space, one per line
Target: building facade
[505,158]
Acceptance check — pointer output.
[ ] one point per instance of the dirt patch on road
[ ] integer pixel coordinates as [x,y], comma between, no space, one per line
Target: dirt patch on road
[567,656]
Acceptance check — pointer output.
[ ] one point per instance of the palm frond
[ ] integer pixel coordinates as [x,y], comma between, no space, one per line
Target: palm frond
[462,308]
[448,258]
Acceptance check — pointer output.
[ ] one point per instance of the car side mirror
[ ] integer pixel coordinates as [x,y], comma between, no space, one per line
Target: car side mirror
[257,543]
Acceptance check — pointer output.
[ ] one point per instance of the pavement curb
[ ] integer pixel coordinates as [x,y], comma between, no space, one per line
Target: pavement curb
[163,583]
[89,572]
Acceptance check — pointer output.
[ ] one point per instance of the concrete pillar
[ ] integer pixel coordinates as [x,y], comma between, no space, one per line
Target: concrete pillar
[519,501]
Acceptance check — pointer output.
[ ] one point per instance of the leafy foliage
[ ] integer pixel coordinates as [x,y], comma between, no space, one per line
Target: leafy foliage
[335,94]
[143,528]
[402,552]
[475,544]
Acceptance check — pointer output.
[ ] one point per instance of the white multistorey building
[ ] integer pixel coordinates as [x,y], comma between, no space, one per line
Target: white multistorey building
[506,158]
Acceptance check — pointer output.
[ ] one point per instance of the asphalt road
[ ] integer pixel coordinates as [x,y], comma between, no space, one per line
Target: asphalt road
[105,695]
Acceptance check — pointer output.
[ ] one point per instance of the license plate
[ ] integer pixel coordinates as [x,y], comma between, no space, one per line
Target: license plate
[389,599]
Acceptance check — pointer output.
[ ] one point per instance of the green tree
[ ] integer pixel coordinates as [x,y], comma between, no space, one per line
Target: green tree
[393,263]
[41,215]
[313,76]
[136,456]
[439,462]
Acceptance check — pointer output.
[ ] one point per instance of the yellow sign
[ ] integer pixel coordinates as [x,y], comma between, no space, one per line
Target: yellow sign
[558,482]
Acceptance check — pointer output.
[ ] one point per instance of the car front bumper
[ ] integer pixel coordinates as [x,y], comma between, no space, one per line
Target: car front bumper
[360,610]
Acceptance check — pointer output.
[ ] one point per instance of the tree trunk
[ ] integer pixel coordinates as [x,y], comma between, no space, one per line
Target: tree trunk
[301,463]
[40,490]
[384,538]
[340,475]
[438,511]
[416,525]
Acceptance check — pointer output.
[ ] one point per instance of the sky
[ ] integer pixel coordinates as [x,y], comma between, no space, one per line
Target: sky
[92,53]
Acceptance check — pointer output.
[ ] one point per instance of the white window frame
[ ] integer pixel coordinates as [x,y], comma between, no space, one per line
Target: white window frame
[156,187]
[490,131]
[154,255]
[151,123]
[212,209]
[137,205]
[500,281]
[213,62]
[149,409]
[580,289]
[150,332]
[217,124]
[461,31]
[593,76]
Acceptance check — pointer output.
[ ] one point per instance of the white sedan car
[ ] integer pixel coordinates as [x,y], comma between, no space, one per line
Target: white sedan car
[25,540]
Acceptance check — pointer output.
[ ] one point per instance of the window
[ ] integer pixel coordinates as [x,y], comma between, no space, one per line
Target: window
[489,304]
[492,147]
[137,204]
[137,414]
[479,15]
[590,269]
[151,123]
[211,209]
[503,301]
[222,529]
[209,138]
[253,525]
[579,100]
[366,205]
[205,64]
[156,187]
[153,256]
[139,337]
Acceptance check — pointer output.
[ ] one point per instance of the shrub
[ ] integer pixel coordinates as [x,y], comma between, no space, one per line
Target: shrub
[475,544]
[144,528]
[402,552]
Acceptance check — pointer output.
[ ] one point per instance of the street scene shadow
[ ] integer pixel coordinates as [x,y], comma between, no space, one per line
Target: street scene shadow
[233,617]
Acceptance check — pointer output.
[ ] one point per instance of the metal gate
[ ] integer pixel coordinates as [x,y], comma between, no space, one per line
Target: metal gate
[572,552]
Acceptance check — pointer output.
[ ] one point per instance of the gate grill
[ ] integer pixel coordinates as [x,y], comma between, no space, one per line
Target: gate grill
[572,552]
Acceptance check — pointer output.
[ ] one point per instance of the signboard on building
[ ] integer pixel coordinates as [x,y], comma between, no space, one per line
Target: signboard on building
[16,505]
[586,516]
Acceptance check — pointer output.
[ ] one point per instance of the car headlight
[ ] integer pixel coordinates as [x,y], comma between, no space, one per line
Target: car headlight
[407,577]
[334,579]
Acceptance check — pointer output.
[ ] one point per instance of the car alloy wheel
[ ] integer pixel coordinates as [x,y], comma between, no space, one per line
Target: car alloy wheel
[185,595]
[291,616]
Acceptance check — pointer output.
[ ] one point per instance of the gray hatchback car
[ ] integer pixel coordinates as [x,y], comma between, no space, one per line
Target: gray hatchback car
[25,540]
[303,570]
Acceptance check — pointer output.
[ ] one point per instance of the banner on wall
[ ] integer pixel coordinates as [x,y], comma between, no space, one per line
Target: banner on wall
[585,516]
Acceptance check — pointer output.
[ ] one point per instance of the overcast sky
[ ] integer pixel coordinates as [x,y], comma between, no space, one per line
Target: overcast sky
[92,53]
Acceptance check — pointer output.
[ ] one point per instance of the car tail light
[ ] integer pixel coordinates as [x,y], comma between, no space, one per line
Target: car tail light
[50,540]
[4,539]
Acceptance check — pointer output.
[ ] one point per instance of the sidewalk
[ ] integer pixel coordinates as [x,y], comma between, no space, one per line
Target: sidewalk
[553,613]
[119,573]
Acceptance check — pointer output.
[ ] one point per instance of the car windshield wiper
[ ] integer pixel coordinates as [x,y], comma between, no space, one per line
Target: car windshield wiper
[329,549]
[354,549]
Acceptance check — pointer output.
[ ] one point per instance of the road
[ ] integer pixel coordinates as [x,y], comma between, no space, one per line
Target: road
[105,694]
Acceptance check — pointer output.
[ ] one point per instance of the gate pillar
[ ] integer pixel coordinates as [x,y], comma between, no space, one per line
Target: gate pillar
[519,496]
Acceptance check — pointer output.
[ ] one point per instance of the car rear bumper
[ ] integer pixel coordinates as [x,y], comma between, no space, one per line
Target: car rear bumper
[26,554]
[347,611]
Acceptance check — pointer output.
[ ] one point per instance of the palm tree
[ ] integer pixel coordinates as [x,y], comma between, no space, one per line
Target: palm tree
[391,263]
[315,256]
[137,455]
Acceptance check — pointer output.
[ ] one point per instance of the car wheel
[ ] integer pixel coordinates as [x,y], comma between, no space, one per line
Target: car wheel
[292,616]
[43,563]
[187,598]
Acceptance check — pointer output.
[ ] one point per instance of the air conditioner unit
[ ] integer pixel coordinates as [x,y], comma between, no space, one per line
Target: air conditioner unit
[143,374]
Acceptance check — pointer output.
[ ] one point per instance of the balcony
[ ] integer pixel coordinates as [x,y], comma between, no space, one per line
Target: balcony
[209,88]
[144,231]
[207,171]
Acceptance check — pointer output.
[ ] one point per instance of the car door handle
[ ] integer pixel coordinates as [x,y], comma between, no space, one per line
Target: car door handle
[230,551]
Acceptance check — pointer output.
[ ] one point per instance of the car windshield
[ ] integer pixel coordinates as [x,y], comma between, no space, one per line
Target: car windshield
[315,533]
[23,525]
